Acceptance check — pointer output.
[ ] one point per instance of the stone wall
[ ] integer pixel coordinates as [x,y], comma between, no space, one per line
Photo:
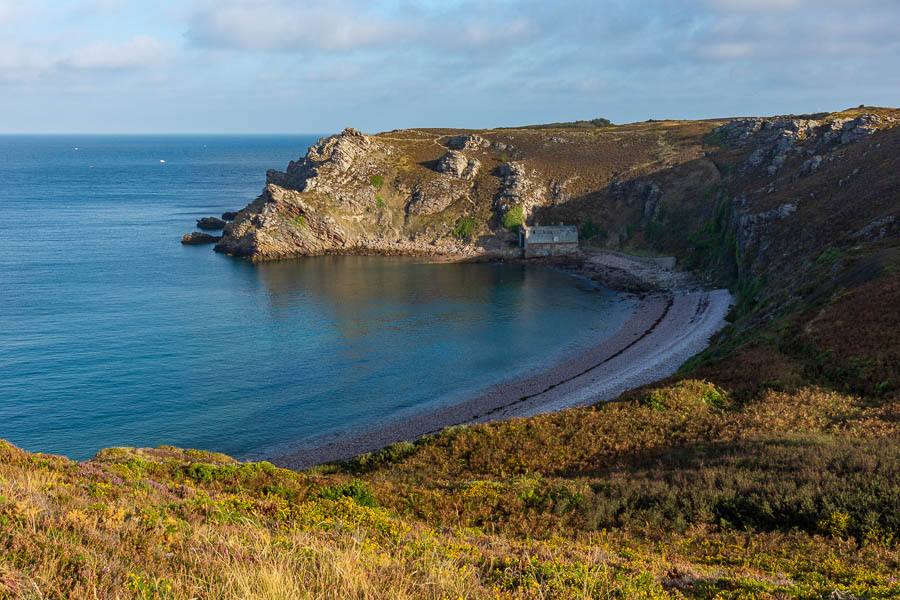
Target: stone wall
[533,250]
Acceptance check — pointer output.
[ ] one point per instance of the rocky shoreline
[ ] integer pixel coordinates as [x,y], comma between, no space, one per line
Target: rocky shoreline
[669,325]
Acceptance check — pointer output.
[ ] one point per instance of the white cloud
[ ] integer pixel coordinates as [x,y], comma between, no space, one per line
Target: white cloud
[281,25]
[349,25]
[140,51]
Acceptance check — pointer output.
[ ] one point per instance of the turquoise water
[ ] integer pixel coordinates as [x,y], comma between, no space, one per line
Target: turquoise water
[113,333]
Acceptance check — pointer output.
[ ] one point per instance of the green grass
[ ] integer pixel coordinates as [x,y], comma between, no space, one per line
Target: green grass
[377,181]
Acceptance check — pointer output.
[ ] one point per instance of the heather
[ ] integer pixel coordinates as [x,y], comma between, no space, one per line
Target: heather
[679,492]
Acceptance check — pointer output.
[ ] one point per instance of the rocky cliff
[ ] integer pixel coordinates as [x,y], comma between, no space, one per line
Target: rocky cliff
[732,198]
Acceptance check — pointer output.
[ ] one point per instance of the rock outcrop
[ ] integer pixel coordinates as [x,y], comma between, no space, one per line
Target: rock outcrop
[519,187]
[198,237]
[340,167]
[468,142]
[229,216]
[775,140]
[279,224]
[457,164]
[210,223]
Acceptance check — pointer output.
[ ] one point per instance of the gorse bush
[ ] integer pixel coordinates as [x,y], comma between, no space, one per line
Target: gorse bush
[465,227]
[356,490]
[513,219]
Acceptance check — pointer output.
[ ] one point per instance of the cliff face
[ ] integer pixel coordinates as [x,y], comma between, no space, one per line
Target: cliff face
[348,195]
[406,191]
[733,199]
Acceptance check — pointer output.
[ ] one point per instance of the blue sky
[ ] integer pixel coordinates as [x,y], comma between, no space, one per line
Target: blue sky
[291,66]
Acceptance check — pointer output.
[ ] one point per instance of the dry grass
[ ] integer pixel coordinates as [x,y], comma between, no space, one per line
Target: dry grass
[665,495]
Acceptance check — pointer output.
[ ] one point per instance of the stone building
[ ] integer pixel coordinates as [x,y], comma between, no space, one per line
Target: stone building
[552,240]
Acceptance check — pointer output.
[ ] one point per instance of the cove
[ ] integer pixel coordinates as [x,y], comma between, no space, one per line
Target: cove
[112,333]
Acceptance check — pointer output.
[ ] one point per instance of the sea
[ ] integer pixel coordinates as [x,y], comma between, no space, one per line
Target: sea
[112,333]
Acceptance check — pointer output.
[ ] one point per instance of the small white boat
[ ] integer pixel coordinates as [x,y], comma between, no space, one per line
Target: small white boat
[161,160]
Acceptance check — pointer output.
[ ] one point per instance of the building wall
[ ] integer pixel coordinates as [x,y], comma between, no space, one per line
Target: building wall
[533,250]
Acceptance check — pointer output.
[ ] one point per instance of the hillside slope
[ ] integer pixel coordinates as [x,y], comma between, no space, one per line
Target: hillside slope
[768,468]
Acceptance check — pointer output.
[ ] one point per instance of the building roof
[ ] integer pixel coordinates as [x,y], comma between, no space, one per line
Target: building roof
[551,234]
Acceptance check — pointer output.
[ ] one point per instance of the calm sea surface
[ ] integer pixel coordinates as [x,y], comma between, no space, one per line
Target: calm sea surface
[113,333]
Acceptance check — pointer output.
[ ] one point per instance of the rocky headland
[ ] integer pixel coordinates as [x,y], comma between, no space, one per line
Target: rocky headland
[723,196]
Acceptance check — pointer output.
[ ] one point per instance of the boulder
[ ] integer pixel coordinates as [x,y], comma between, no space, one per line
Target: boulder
[229,216]
[198,237]
[456,164]
[210,223]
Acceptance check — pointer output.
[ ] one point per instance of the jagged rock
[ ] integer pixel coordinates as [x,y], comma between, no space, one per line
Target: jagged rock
[775,139]
[518,188]
[754,231]
[468,142]
[859,128]
[648,193]
[279,223]
[457,164]
[210,223]
[879,229]
[340,167]
[229,216]
[198,237]
[430,198]
[559,190]
[811,165]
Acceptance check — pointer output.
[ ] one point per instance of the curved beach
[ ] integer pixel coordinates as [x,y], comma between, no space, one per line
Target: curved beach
[664,331]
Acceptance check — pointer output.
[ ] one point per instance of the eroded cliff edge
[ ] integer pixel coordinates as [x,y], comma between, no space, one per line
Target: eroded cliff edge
[711,192]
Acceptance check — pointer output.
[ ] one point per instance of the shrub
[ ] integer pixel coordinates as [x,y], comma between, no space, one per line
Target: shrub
[718,138]
[300,221]
[513,219]
[465,227]
[829,255]
[589,230]
[356,490]
[835,524]
[378,201]
[376,181]
[369,461]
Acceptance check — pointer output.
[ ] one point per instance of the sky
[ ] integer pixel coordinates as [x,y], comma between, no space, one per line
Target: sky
[302,66]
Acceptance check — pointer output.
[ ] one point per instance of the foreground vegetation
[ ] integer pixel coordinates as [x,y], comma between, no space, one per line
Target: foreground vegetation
[679,492]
